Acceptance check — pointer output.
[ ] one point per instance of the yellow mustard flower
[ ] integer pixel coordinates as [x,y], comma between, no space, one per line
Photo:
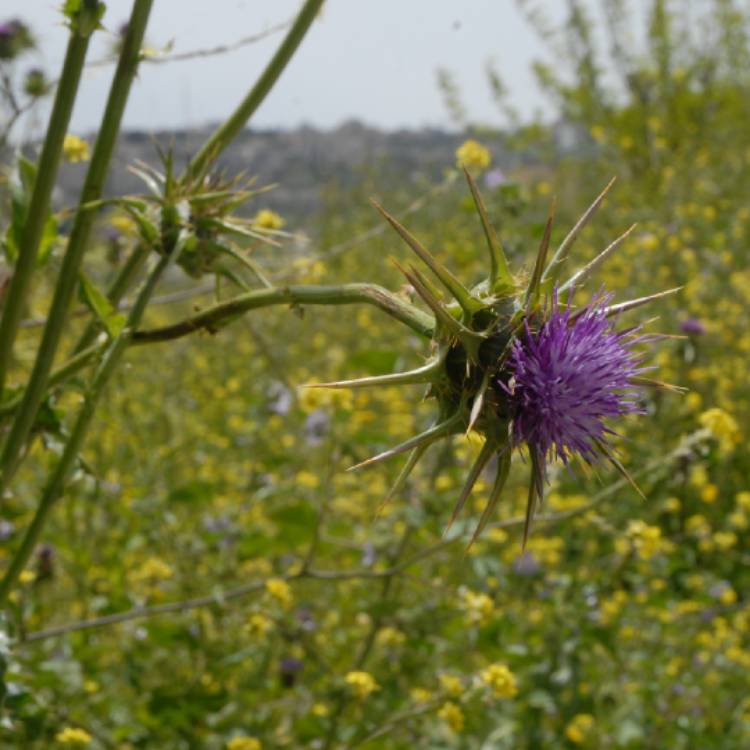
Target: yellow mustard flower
[390,637]
[722,426]
[451,684]
[361,684]
[579,727]
[420,695]
[452,715]
[73,737]
[153,568]
[75,149]
[477,606]
[244,743]
[473,155]
[267,219]
[26,576]
[281,591]
[646,540]
[258,625]
[501,680]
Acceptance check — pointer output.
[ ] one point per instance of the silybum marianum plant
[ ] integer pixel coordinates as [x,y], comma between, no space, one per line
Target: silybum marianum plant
[519,363]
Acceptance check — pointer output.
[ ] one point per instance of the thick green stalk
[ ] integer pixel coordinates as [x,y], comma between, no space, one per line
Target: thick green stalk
[56,482]
[49,162]
[228,130]
[343,294]
[68,278]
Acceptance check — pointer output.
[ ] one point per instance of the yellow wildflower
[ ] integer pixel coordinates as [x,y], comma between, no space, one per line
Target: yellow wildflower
[725,539]
[361,684]
[420,695]
[646,540]
[722,426]
[709,493]
[579,727]
[452,715]
[390,637]
[26,576]
[73,736]
[153,569]
[451,684]
[280,590]
[307,479]
[477,606]
[75,149]
[501,680]
[267,219]
[473,156]
[244,743]
[258,625]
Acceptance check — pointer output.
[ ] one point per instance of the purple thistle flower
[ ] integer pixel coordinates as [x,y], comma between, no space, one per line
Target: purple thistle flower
[693,326]
[568,377]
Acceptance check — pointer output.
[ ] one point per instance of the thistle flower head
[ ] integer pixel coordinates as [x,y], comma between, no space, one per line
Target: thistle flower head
[518,370]
[569,376]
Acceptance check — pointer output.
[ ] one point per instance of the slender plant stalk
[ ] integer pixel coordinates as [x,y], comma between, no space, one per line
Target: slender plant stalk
[213,317]
[49,162]
[343,294]
[226,132]
[68,278]
[59,476]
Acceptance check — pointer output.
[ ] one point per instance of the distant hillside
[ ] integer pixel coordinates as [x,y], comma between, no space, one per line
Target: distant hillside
[301,161]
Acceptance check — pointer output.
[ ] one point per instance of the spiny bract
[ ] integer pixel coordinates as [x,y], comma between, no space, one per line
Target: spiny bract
[511,365]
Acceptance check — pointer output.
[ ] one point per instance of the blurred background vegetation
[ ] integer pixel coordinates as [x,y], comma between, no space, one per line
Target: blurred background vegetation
[214,577]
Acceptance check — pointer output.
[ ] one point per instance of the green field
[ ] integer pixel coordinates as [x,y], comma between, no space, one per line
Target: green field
[214,577]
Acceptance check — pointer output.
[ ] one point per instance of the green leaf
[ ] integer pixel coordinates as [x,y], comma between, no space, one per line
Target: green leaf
[47,242]
[107,315]
[20,193]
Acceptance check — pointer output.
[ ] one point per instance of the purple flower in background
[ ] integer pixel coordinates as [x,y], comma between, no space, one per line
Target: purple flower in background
[568,377]
[692,326]
[494,178]
[15,37]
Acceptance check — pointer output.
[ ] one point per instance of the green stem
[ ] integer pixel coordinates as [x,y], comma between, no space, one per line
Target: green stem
[56,482]
[49,162]
[344,294]
[226,132]
[68,278]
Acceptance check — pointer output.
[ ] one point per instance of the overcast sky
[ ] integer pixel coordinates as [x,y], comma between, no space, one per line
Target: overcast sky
[374,60]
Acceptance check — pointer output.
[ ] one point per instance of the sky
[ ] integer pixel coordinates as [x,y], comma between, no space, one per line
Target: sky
[371,60]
